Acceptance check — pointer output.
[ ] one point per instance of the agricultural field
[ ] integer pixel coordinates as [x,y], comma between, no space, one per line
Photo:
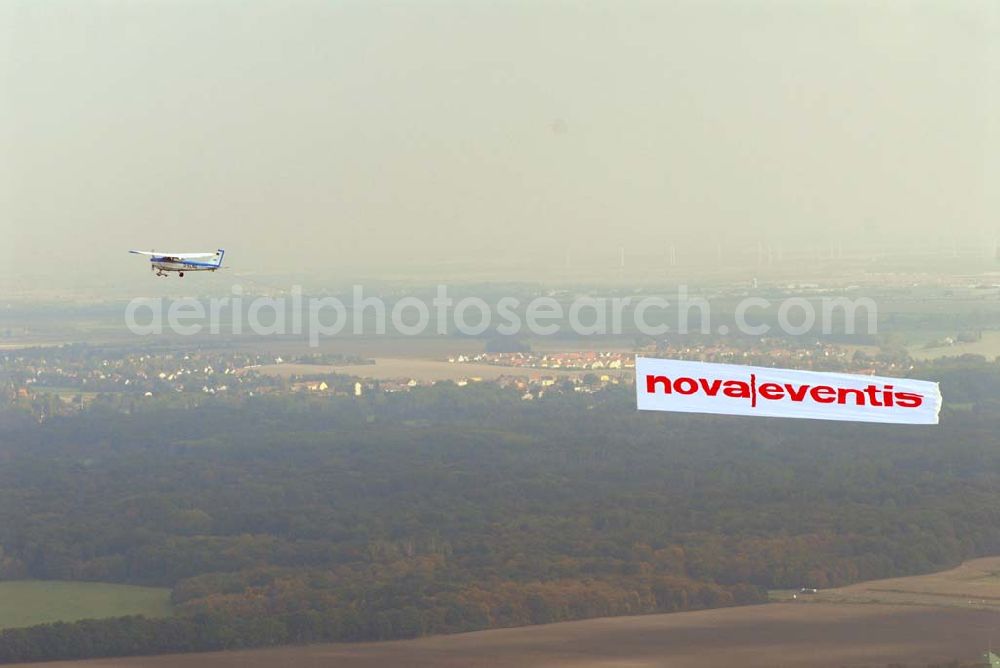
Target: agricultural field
[973,585]
[387,368]
[791,635]
[916,621]
[988,346]
[29,602]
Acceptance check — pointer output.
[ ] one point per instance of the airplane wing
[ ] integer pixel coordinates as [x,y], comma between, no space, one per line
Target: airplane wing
[176,256]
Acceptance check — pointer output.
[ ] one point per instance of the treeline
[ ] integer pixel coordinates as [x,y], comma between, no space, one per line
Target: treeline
[283,612]
[291,519]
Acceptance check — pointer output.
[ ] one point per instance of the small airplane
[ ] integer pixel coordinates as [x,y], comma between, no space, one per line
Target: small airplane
[162,263]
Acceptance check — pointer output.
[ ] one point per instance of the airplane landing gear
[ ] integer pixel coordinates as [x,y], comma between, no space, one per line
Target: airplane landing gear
[181,274]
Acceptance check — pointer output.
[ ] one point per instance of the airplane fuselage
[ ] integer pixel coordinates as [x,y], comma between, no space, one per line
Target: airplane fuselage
[162,266]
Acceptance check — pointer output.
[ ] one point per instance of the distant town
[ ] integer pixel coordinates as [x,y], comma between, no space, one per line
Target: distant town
[60,380]
[767,352]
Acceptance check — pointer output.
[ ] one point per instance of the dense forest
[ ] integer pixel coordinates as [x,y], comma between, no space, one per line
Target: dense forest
[288,519]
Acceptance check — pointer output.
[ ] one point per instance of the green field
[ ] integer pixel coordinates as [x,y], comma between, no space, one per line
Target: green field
[29,602]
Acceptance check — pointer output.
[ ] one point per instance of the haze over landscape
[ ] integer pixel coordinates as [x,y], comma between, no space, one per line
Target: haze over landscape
[354,138]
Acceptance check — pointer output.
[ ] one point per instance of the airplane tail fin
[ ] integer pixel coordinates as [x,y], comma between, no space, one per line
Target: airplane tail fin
[221,252]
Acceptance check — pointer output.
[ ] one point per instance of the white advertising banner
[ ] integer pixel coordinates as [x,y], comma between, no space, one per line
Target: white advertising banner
[731,389]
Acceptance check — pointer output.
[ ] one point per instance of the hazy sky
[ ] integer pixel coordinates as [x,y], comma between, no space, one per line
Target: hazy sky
[371,134]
